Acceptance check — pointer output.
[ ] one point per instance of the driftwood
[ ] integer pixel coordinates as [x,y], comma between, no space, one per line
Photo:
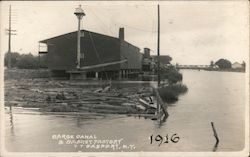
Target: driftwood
[62,96]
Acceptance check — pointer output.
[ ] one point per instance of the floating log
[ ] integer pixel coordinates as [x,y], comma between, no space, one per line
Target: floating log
[147,104]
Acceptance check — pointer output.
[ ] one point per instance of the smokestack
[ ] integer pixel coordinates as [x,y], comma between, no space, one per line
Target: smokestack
[121,33]
[146,52]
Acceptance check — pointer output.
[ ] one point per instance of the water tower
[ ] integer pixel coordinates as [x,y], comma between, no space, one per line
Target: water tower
[79,14]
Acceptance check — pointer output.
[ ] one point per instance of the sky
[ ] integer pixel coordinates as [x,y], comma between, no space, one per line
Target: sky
[191,32]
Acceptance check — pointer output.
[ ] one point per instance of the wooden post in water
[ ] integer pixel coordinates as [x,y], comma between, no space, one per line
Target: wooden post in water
[162,109]
[9,44]
[158,57]
[216,137]
[158,48]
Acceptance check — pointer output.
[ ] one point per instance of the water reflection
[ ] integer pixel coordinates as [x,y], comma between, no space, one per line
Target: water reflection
[78,121]
[87,118]
[215,147]
[11,121]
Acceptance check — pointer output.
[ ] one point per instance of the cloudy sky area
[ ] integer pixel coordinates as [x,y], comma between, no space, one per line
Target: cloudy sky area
[191,32]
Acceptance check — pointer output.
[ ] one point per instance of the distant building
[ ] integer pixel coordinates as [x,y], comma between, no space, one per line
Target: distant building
[149,62]
[164,59]
[96,49]
[237,65]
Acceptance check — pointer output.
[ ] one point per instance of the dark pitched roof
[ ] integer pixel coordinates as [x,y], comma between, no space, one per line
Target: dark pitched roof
[45,40]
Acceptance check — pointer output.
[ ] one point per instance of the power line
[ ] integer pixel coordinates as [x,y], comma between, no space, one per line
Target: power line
[127,26]
[136,28]
[97,54]
[99,19]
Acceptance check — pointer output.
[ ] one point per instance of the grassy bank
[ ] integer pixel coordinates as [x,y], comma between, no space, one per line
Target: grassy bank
[170,93]
[18,74]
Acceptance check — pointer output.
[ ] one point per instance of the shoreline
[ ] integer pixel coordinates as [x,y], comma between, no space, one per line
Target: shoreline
[37,111]
[219,70]
[227,70]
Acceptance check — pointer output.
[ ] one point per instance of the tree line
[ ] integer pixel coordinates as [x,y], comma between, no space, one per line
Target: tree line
[25,61]
[225,64]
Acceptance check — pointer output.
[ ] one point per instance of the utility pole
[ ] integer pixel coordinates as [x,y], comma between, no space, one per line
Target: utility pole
[158,48]
[79,14]
[9,45]
[9,35]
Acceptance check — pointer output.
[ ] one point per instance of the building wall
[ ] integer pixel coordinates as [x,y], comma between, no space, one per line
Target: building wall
[164,59]
[132,54]
[236,66]
[100,49]
[62,52]
[97,49]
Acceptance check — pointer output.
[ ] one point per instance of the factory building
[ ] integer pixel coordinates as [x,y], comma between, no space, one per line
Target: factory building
[149,62]
[96,49]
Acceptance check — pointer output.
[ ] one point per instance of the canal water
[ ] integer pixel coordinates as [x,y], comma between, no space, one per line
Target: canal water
[217,97]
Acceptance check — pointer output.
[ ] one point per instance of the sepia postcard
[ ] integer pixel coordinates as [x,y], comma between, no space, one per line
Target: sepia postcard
[124,78]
